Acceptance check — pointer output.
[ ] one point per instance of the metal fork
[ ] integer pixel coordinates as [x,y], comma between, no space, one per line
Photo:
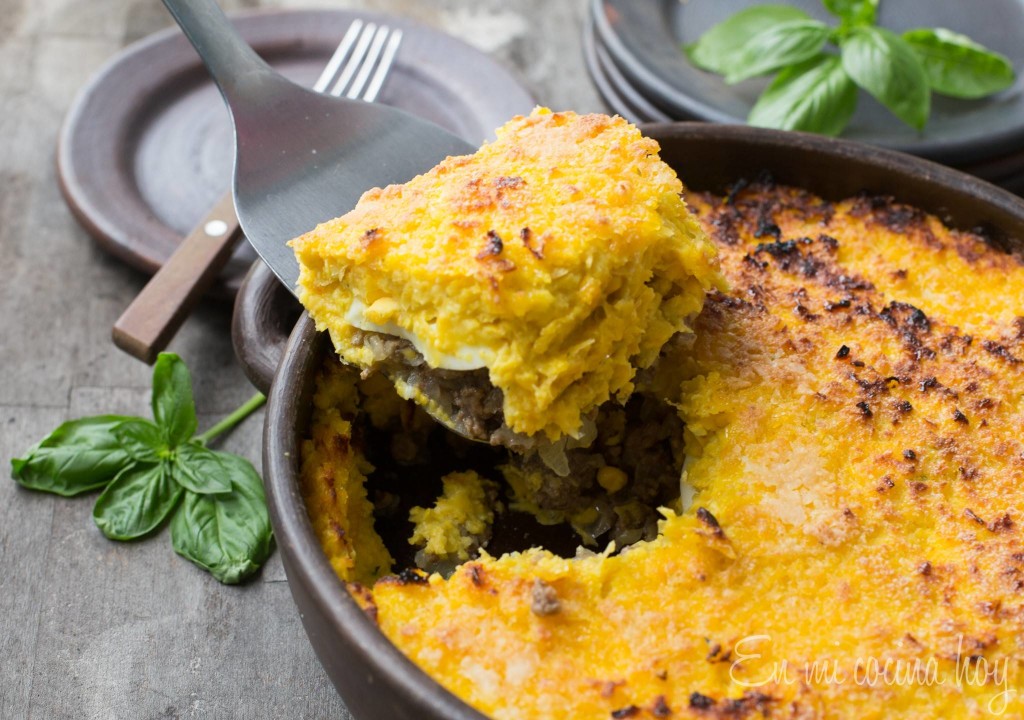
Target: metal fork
[357,69]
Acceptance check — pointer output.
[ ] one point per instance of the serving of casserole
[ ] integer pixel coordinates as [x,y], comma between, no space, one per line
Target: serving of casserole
[842,536]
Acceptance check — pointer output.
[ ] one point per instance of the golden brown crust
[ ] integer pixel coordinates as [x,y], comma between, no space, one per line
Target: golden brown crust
[854,409]
[559,257]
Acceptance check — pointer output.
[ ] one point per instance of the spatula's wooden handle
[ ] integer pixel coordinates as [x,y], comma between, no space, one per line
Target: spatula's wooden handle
[155,315]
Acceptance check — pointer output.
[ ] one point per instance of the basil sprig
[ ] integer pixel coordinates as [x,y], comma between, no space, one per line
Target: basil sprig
[155,470]
[815,90]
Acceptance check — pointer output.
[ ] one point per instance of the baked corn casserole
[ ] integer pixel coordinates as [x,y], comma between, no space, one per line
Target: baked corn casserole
[513,291]
[847,541]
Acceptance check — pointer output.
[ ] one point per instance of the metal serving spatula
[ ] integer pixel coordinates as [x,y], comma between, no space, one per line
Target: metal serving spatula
[301,157]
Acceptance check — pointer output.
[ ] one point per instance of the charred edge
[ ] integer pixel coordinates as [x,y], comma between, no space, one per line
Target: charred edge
[865,409]
[660,708]
[848,282]
[527,237]
[875,388]
[626,712]
[844,352]
[995,238]
[476,575]
[899,218]
[781,248]
[925,568]
[494,246]
[750,704]
[766,227]
[724,227]
[753,262]
[1000,351]
[885,484]
[973,516]
[904,407]
[968,473]
[916,319]
[960,417]
[909,454]
[929,383]
[701,702]
[884,210]
[790,258]
[1002,524]
[710,520]
[365,598]
[804,313]
[369,236]
[720,301]
[833,305]
[715,654]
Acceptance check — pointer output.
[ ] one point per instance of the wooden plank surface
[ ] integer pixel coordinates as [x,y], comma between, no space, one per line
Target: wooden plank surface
[95,629]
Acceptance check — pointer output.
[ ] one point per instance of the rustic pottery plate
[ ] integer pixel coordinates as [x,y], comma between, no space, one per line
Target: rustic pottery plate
[618,94]
[147,147]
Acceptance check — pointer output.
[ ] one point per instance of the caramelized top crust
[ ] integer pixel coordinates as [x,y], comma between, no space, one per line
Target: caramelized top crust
[854,409]
[560,257]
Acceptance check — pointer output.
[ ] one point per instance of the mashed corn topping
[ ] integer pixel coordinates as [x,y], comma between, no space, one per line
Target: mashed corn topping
[560,256]
[854,549]
[333,476]
[461,516]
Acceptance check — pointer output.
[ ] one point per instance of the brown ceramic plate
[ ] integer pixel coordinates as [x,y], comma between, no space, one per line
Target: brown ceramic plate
[375,679]
[147,147]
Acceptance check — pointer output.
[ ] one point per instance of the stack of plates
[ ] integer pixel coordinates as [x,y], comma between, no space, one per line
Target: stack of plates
[633,51]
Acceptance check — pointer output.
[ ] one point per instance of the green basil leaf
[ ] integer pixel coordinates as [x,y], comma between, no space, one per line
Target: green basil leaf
[957,66]
[141,439]
[136,502]
[724,41]
[854,12]
[815,96]
[886,66]
[173,407]
[201,470]
[79,456]
[787,43]
[227,534]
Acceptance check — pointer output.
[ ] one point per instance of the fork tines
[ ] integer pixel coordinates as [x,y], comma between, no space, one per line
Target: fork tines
[361,62]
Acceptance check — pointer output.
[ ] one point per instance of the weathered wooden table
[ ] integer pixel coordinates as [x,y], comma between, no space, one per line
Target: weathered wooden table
[95,629]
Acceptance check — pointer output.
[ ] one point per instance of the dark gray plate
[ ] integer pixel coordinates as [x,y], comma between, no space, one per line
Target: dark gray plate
[147,146]
[618,94]
[643,37]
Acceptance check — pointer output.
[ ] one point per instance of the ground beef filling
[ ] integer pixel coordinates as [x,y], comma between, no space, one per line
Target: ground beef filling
[466,398]
[606,486]
[615,486]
